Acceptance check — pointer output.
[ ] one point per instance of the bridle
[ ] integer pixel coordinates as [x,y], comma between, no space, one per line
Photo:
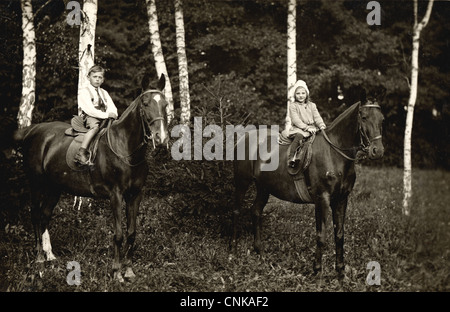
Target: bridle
[145,128]
[363,135]
[365,141]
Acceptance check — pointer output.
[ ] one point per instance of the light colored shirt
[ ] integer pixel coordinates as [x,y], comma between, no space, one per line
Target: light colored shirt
[304,115]
[88,101]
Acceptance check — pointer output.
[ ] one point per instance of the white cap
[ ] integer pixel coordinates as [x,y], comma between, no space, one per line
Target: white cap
[299,83]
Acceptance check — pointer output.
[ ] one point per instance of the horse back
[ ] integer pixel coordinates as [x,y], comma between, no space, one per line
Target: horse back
[41,142]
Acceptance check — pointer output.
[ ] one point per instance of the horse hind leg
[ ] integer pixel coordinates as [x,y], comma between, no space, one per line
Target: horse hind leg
[241,187]
[262,196]
[36,216]
[43,203]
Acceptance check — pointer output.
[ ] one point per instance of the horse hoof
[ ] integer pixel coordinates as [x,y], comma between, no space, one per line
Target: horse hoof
[51,257]
[317,269]
[129,274]
[40,258]
[118,276]
[340,270]
[340,275]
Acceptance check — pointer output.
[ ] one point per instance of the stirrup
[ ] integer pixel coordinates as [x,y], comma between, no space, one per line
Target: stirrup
[82,158]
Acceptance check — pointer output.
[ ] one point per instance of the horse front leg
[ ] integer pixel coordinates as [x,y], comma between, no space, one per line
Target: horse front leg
[132,208]
[321,208]
[116,206]
[339,210]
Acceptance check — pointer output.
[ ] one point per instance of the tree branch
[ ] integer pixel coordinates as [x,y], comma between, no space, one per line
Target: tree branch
[426,18]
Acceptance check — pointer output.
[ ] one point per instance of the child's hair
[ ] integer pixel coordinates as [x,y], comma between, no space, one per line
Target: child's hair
[96,69]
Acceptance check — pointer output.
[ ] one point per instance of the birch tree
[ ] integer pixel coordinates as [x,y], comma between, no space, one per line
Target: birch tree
[418,27]
[87,42]
[291,53]
[157,51]
[182,64]
[29,66]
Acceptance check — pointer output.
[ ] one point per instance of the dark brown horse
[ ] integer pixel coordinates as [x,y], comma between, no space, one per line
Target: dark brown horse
[329,178]
[118,173]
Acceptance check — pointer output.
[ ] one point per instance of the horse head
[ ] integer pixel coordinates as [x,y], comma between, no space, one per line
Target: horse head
[371,125]
[153,104]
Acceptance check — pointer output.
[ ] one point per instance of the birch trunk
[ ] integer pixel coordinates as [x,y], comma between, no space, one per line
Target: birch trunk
[407,176]
[291,53]
[160,64]
[185,101]
[87,42]
[29,66]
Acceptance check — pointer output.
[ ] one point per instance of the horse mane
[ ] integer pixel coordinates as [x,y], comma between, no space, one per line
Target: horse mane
[129,109]
[343,116]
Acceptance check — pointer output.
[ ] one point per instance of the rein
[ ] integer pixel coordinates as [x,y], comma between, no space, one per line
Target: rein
[364,146]
[145,128]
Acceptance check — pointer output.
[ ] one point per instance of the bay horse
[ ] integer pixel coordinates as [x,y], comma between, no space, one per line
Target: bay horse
[329,178]
[118,173]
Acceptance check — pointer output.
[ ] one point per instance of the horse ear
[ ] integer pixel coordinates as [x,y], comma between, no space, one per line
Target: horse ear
[162,82]
[145,83]
[363,96]
[381,94]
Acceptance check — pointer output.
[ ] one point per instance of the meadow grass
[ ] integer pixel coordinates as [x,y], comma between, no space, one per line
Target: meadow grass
[176,251]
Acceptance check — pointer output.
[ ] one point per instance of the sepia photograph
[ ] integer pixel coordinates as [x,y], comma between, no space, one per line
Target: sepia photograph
[218,154]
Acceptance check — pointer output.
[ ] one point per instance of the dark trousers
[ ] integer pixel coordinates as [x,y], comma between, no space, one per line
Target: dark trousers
[295,143]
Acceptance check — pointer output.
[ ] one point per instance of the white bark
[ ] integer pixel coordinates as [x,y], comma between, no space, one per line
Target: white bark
[407,176]
[86,46]
[291,53]
[29,66]
[157,51]
[185,101]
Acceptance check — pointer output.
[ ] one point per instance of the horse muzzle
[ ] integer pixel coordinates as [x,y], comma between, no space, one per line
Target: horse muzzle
[376,150]
[161,138]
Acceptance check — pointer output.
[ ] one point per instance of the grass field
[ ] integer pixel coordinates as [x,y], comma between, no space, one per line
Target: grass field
[177,252]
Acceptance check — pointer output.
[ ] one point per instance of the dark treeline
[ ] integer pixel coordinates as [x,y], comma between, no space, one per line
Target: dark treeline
[237,52]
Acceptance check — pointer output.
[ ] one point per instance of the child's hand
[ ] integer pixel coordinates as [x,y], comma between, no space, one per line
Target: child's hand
[311,129]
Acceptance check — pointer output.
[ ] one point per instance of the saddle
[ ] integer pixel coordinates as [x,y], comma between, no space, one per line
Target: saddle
[302,157]
[77,131]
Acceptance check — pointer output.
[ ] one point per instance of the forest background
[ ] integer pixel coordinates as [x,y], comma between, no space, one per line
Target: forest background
[236,52]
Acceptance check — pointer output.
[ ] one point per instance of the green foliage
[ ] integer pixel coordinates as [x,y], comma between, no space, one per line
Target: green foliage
[176,251]
[245,42]
[237,66]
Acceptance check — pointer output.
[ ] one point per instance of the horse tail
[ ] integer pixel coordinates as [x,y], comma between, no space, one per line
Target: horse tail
[21,134]
[7,127]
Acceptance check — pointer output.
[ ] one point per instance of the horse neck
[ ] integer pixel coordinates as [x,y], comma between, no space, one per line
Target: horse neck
[344,130]
[127,131]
